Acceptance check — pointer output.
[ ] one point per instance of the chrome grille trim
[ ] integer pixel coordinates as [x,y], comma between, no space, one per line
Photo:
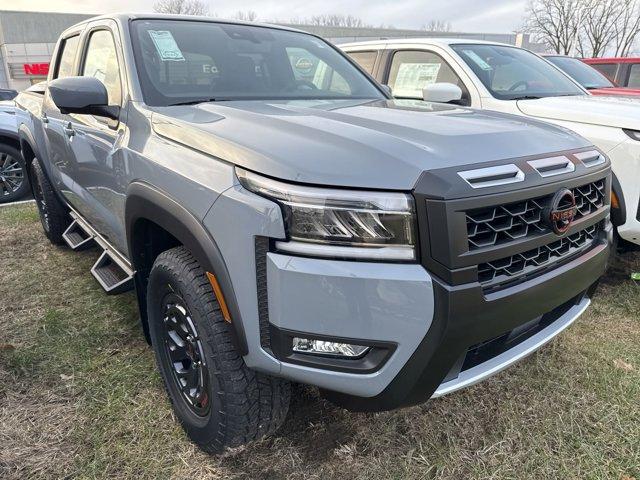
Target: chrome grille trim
[492,176]
[548,167]
[590,159]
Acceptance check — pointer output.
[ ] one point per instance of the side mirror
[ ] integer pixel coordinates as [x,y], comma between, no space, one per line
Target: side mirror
[442,93]
[387,89]
[83,95]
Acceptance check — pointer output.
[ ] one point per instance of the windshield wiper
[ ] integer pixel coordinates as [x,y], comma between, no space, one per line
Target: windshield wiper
[526,97]
[194,102]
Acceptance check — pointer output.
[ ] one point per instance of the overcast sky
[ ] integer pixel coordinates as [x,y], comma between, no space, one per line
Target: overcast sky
[500,16]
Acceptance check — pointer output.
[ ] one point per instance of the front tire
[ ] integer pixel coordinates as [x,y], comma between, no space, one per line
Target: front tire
[219,401]
[53,214]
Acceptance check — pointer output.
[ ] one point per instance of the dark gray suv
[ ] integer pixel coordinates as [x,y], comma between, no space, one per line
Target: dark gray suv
[281,218]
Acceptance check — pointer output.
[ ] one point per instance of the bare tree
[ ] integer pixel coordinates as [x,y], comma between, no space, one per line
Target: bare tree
[556,23]
[590,27]
[437,26]
[181,7]
[334,20]
[627,28]
[599,26]
[246,16]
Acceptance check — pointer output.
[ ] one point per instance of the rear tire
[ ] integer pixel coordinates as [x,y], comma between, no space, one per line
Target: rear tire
[14,181]
[219,401]
[53,214]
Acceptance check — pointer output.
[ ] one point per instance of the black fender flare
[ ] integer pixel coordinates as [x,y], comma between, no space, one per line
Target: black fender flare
[145,202]
[25,136]
[618,215]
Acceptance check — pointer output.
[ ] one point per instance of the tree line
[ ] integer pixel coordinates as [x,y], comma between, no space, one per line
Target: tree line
[587,28]
[199,7]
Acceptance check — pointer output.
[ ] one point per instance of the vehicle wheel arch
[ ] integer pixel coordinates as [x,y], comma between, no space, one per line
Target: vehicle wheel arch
[149,214]
[26,147]
[11,141]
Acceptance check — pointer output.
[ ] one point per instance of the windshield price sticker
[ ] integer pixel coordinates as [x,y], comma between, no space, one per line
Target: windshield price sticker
[477,60]
[413,77]
[166,46]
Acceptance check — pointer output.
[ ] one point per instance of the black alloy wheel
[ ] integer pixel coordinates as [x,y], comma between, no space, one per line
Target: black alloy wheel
[184,349]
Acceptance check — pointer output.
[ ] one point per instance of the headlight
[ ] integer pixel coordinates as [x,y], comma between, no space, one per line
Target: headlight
[329,222]
[635,134]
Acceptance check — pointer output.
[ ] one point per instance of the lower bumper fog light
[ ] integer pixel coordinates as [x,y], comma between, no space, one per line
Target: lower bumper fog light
[321,347]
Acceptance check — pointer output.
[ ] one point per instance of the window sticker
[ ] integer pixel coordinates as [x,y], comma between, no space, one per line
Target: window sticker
[166,46]
[413,77]
[478,61]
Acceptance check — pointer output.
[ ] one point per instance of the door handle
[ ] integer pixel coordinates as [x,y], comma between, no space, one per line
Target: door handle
[69,131]
[44,118]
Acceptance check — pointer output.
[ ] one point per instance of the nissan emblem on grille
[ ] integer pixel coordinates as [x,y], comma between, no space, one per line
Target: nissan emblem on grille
[562,210]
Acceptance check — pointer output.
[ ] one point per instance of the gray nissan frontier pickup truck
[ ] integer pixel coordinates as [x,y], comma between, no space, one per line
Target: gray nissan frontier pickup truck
[282,219]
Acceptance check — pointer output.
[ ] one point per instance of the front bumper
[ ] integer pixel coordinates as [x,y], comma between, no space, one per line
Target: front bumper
[504,360]
[395,304]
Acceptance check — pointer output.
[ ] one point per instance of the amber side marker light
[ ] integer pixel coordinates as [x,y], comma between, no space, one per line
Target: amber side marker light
[219,296]
[615,203]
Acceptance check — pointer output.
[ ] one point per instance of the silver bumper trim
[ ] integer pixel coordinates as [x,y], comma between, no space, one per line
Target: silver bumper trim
[497,364]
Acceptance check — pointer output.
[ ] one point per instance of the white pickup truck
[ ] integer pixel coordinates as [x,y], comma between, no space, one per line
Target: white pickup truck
[513,80]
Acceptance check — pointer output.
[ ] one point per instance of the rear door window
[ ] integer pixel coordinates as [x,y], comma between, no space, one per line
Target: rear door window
[366,60]
[634,76]
[609,70]
[67,57]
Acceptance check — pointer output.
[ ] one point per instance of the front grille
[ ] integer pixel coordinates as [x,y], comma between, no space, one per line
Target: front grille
[521,265]
[501,224]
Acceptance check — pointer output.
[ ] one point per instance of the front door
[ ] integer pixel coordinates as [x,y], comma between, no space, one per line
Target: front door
[56,125]
[94,141]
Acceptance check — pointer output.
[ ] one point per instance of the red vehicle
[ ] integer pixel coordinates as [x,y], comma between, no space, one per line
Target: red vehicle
[623,71]
[591,78]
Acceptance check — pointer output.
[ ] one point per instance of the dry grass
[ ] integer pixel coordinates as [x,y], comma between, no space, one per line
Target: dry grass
[80,396]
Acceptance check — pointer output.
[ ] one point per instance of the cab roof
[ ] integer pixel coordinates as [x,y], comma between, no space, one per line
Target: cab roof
[440,41]
[127,16]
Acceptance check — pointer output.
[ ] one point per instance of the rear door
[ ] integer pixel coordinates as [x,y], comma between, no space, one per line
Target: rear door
[98,164]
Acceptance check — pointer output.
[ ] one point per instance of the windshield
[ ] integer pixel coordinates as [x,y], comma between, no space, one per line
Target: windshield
[511,73]
[182,61]
[582,73]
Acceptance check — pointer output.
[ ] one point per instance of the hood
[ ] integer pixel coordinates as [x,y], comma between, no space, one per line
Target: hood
[616,91]
[620,112]
[382,144]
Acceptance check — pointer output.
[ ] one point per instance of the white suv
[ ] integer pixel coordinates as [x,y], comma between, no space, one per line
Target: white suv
[513,80]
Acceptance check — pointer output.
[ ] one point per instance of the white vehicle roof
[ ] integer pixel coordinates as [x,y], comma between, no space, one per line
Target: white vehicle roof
[440,41]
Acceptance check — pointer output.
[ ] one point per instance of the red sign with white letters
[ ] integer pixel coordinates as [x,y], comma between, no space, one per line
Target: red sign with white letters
[38,69]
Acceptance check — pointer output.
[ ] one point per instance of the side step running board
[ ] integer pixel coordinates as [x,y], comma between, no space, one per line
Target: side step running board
[77,237]
[112,270]
[112,274]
